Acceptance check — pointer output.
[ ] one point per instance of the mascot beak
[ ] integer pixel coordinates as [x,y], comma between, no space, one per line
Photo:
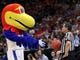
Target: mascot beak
[21,21]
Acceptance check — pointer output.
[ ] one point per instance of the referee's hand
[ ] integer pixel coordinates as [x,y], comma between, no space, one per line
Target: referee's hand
[65,55]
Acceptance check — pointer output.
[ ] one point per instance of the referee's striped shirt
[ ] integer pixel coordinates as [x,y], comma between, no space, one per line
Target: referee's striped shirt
[68,36]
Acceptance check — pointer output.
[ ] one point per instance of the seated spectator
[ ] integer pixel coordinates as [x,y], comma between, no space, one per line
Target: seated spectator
[41,56]
[56,55]
[32,32]
[53,55]
[76,40]
[30,57]
[1,50]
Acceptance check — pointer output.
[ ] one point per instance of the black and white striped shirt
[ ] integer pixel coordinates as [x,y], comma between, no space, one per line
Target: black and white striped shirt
[68,36]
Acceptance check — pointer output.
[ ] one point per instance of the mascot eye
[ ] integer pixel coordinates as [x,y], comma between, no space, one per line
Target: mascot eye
[21,10]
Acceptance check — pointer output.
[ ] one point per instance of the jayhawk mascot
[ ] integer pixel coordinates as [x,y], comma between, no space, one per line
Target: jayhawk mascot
[15,25]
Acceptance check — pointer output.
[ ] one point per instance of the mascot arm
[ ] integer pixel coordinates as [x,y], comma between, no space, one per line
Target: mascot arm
[32,42]
[26,40]
[13,36]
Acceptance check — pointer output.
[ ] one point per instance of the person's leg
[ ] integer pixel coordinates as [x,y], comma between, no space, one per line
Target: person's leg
[11,55]
[15,55]
[20,54]
[71,56]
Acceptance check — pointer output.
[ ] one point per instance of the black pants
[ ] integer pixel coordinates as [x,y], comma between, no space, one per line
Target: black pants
[71,56]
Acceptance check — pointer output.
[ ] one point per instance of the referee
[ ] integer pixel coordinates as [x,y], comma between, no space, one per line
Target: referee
[67,47]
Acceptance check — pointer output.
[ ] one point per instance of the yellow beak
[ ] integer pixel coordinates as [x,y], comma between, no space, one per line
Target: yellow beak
[21,21]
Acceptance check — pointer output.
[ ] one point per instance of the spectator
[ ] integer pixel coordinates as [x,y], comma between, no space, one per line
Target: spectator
[76,40]
[1,50]
[30,57]
[32,32]
[53,55]
[36,55]
[41,56]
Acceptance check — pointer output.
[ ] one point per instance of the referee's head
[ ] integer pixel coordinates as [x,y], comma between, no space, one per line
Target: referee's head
[66,27]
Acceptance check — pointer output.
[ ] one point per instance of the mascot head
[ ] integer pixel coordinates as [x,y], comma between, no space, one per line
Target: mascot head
[14,16]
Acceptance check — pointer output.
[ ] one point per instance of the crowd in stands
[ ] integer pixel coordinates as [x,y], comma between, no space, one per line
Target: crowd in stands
[50,15]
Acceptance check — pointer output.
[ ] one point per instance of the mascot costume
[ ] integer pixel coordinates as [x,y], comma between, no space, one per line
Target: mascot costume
[15,25]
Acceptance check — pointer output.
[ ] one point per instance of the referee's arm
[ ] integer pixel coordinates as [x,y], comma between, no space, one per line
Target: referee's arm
[67,48]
